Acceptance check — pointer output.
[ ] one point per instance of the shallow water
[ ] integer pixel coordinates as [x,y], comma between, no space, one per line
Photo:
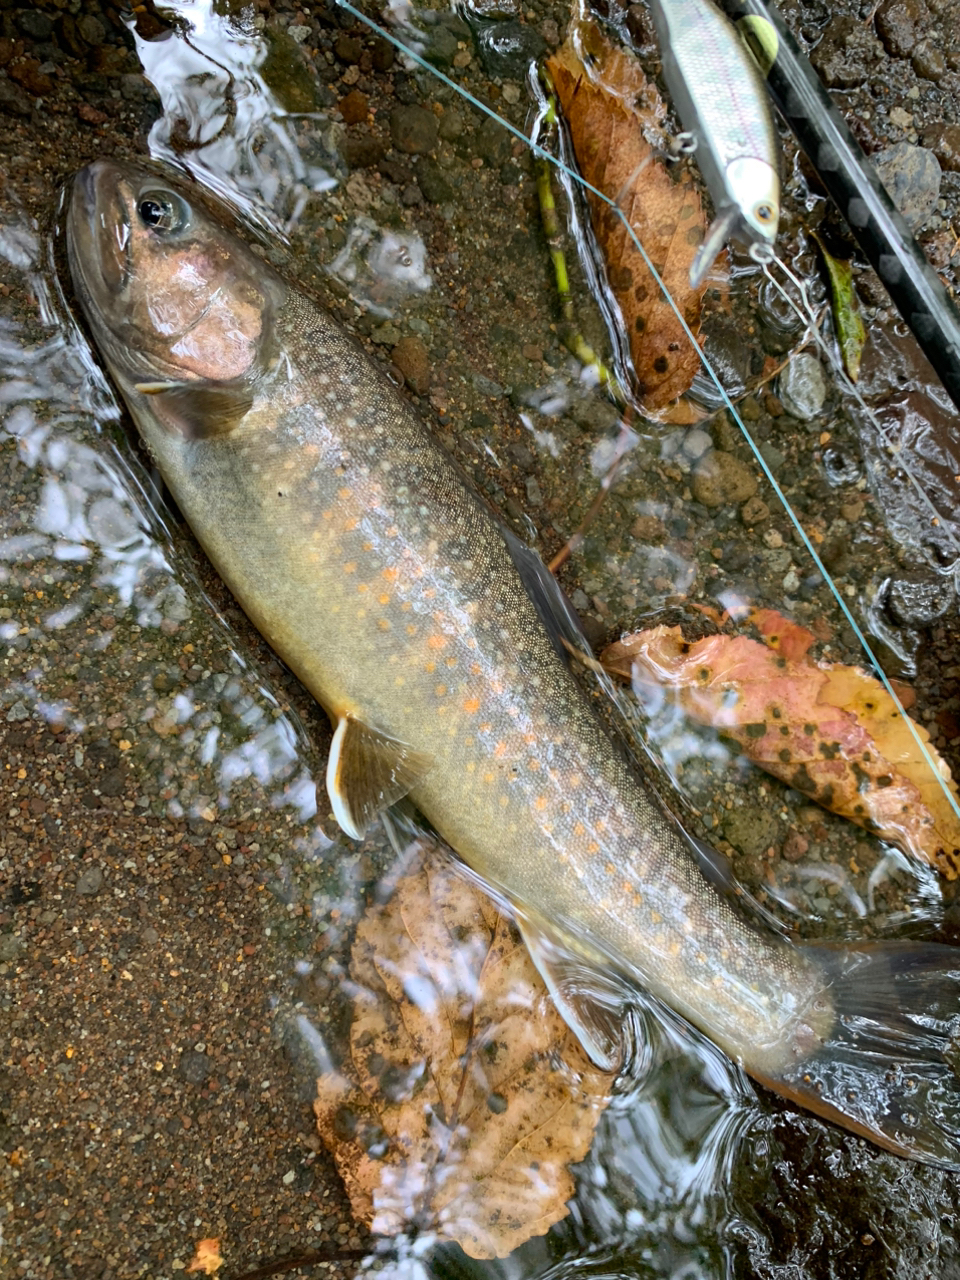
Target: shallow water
[163,823]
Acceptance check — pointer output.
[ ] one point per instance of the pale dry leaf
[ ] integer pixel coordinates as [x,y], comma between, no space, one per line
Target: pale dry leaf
[466,1098]
[608,104]
[830,730]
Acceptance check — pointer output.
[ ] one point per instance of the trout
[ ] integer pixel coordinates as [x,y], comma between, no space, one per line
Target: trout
[429,634]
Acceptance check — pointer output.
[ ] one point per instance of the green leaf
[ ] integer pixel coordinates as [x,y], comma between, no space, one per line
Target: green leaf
[847,320]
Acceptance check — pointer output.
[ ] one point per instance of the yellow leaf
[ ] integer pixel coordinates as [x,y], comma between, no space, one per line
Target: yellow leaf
[465,1097]
[829,730]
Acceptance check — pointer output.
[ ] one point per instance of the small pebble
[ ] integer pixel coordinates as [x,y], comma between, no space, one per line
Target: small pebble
[413,130]
[720,480]
[912,177]
[194,1067]
[802,387]
[754,511]
[411,357]
[90,881]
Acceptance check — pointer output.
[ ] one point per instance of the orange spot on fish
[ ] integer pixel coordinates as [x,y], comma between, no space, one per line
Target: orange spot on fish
[500,750]
[533,764]
[471,705]
[384,599]
[363,586]
[350,525]
[344,493]
[430,668]
[350,566]
[368,546]
[580,830]
[540,803]
[475,669]
[655,917]
[440,690]
[392,531]
[627,887]
[390,574]
[437,642]
[411,629]
[383,624]
[593,847]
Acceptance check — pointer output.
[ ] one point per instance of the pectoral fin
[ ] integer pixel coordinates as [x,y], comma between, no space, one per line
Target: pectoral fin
[200,410]
[718,233]
[591,1003]
[367,772]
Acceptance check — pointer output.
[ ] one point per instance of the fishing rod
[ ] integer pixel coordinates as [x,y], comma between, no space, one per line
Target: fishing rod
[855,187]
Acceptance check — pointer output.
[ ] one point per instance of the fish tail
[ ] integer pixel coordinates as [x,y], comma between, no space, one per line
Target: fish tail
[889,1069]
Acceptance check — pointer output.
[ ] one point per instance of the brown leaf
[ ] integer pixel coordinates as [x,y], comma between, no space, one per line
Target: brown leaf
[467,1097]
[607,108]
[830,730]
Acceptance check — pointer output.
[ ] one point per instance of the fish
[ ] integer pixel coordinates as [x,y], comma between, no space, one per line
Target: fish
[721,98]
[437,642]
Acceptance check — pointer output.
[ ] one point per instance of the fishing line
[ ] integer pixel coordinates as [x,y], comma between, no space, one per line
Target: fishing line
[564,168]
[805,312]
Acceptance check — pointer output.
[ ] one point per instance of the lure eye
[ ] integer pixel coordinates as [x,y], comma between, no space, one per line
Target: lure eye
[163,211]
[764,213]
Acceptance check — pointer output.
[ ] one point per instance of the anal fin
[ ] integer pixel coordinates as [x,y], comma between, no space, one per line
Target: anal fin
[593,1004]
[367,772]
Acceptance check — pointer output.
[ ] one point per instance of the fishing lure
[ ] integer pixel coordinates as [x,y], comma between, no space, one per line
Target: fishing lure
[721,99]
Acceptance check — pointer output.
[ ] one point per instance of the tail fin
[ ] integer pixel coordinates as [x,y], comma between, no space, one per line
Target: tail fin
[890,1068]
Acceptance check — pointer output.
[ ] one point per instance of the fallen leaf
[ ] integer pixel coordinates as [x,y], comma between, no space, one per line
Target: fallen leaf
[465,1098]
[206,1257]
[608,104]
[830,730]
[847,320]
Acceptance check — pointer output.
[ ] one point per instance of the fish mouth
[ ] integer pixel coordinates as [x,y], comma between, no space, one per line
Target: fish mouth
[98,231]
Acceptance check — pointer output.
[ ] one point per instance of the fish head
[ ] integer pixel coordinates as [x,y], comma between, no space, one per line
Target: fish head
[753,187]
[170,296]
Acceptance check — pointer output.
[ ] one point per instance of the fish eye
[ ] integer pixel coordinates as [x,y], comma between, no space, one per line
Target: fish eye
[163,211]
[764,213]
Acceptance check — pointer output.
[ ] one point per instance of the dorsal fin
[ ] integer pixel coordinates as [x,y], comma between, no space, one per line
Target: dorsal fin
[367,772]
[201,410]
[556,612]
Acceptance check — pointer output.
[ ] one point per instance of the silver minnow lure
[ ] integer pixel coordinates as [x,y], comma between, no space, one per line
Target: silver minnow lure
[722,102]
